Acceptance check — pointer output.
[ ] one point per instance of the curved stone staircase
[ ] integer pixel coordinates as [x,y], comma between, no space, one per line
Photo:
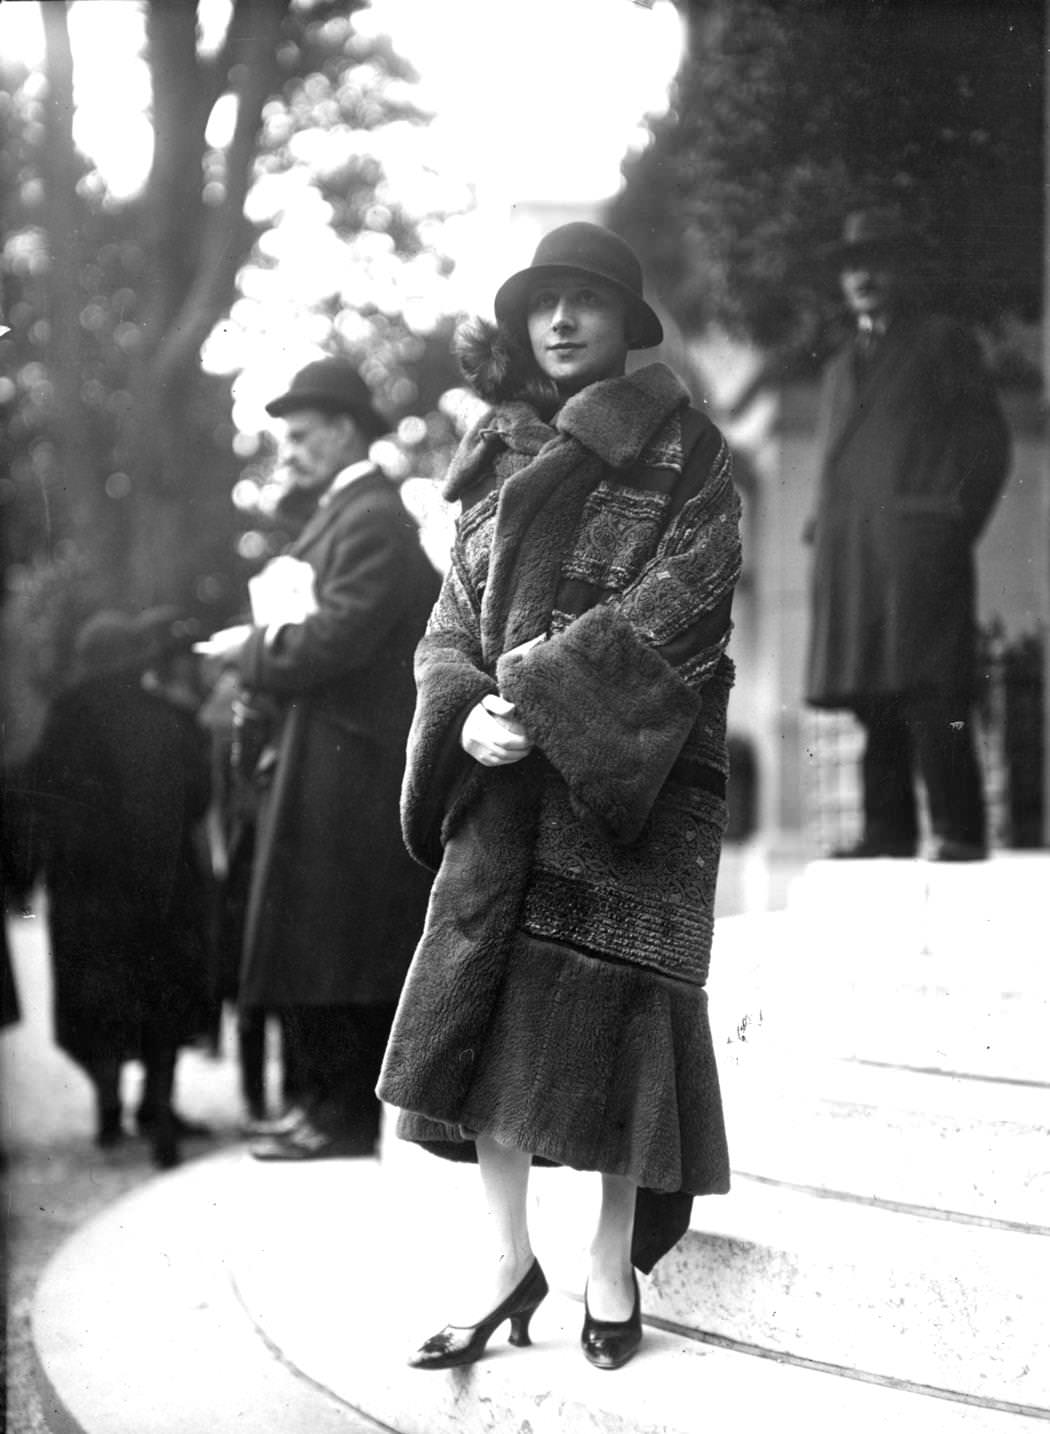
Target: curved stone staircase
[882,1262]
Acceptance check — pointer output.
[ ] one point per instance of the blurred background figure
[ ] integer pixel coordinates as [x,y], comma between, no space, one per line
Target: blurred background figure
[236,727]
[335,903]
[108,811]
[914,452]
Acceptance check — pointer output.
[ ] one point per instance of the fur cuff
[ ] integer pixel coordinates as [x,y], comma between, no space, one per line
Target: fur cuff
[608,713]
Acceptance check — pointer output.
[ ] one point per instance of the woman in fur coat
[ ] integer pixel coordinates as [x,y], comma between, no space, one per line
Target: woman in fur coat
[566,778]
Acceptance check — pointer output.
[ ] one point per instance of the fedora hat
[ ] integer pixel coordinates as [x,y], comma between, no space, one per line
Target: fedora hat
[597,253]
[873,232]
[332,385]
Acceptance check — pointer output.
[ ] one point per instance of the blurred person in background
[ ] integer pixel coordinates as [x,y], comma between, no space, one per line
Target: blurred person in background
[336,904]
[914,455]
[233,724]
[110,805]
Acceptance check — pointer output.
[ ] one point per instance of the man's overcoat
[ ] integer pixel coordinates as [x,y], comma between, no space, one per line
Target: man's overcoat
[914,453]
[336,904]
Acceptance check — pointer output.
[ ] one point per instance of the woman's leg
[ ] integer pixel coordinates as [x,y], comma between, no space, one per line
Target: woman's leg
[504,1251]
[610,1287]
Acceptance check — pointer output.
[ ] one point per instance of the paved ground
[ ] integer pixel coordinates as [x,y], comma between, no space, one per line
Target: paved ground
[56,1179]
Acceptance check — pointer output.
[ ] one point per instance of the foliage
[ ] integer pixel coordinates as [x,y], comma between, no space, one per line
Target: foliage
[788,113]
[116,439]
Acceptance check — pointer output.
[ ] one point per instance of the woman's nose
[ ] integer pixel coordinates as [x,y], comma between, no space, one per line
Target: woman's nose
[563,316]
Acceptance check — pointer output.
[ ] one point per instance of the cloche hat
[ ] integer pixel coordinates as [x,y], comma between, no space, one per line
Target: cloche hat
[332,385]
[581,248]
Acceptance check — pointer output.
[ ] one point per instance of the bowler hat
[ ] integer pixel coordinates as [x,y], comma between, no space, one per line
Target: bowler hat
[590,250]
[868,233]
[332,385]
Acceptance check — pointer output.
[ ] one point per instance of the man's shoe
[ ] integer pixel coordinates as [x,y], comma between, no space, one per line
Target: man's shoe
[276,1125]
[869,847]
[306,1142]
[949,850]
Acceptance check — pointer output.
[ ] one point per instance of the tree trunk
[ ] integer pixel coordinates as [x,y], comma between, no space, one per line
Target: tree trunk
[193,255]
[75,495]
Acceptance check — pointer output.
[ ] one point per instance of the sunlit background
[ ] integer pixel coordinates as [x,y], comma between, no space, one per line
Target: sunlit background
[533,110]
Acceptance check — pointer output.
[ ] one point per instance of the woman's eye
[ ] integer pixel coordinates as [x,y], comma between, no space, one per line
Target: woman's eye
[541,301]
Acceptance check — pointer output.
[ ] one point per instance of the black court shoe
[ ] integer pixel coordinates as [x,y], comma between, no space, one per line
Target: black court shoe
[610,1343]
[463,1344]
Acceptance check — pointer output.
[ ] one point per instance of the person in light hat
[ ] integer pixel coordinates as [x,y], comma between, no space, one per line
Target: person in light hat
[566,780]
[914,452]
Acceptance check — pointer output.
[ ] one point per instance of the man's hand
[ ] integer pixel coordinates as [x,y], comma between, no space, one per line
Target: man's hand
[492,736]
[224,648]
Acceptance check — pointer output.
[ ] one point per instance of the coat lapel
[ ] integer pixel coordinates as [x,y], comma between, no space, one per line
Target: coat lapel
[540,507]
[326,513]
[536,518]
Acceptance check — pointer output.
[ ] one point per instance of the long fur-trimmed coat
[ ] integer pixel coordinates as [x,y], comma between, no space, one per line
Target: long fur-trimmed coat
[613,535]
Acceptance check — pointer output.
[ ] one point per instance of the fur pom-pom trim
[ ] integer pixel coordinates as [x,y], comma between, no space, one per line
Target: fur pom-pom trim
[500,369]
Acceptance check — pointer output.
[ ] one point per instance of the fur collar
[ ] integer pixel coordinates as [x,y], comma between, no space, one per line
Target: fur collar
[615,419]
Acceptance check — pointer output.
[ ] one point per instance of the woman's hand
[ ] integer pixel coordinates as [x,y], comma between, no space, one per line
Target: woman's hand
[492,736]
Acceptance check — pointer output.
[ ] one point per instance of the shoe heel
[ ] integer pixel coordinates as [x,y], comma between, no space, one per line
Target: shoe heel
[519,1329]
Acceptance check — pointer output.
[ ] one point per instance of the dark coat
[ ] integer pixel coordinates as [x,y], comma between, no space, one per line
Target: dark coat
[914,453]
[110,806]
[336,904]
[615,536]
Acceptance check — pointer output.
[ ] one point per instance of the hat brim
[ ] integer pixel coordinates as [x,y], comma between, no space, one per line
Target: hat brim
[511,303]
[841,252]
[300,400]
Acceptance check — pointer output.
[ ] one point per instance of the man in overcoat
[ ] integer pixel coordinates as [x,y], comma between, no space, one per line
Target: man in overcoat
[914,451]
[336,904]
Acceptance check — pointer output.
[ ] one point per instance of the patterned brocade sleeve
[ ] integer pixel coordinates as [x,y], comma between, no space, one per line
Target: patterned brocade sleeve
[612,699]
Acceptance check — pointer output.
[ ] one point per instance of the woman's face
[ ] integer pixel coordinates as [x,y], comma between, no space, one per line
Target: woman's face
[578,330]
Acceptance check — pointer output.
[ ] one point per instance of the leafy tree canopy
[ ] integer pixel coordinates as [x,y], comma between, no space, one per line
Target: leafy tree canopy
[787,114]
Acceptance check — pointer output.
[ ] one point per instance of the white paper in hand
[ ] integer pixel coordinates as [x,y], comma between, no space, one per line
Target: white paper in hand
[283,592]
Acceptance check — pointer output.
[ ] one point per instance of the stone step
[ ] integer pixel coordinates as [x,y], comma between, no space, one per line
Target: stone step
[239,1297]
[980,1149]
[942,1301]
[785,985]
[917,1296]
[989,913]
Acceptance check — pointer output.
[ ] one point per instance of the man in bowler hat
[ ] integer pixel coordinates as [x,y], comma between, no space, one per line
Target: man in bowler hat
[335,905]
[914,452]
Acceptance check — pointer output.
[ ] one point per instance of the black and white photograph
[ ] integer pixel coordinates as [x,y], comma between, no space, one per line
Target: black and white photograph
[524,655]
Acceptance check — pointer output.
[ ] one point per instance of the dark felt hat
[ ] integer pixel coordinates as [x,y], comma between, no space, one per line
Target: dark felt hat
[109,642]
[873,233]
[332,385]
[590,250]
